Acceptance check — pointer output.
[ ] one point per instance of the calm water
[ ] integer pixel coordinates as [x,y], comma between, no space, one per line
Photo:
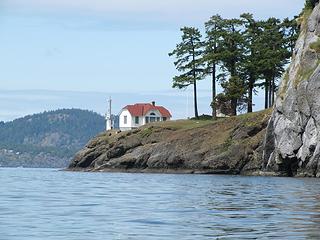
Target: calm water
[48,204]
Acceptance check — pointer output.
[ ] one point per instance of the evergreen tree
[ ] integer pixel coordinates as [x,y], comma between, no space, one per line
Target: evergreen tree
[250,66]
[291,32]
[273,56]
[231,55]
[211,55]
[242,54]
[188,54]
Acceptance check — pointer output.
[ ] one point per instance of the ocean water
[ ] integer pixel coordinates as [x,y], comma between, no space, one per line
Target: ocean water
[44,204]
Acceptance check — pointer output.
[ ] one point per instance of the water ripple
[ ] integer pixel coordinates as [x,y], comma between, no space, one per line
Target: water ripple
[48,204]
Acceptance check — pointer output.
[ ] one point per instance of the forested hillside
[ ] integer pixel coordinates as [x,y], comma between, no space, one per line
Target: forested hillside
[47,139]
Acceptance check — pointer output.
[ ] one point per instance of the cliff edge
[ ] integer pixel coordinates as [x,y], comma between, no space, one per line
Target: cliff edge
[292,146]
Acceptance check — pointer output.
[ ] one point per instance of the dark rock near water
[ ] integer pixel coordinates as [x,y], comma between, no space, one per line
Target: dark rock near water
[226,146]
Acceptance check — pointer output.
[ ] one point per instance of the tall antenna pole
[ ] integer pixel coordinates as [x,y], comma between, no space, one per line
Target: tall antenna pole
[109,122]
[110,107]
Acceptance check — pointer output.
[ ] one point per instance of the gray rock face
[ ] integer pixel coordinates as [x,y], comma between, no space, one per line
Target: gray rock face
[292,145]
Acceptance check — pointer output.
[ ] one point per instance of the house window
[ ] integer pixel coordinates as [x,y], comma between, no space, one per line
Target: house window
[136,120]
[125,120]
[164,119]
[152,114]
[147,120]
[158,119]
[152,119]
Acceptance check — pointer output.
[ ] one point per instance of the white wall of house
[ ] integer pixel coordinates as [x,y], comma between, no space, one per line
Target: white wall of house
[128,122]
[137,122]
[125,120]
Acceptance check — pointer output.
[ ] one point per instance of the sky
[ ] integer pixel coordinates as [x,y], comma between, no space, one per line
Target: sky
[77,53]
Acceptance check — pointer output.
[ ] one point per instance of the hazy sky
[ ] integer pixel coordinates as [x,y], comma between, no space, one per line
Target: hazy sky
[107,46]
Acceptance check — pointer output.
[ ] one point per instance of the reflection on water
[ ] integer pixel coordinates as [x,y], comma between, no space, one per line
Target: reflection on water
[48,204]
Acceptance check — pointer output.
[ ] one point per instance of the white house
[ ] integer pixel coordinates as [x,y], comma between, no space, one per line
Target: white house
[134,116]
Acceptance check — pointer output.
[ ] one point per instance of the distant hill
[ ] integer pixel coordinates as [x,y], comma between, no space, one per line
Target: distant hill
[47,139]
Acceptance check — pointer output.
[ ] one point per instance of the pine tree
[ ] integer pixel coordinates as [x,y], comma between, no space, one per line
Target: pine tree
[231,55]
[250,66]
[273,56]
[211,56]
[291,30]
[188,54]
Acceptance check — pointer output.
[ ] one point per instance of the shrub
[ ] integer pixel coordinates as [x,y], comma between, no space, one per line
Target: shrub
[316,46]
[310,4]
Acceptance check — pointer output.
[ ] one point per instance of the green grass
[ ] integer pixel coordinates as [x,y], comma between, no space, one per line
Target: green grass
[248,119]
[150,128]
[146,132]
[184,124]
[255,118]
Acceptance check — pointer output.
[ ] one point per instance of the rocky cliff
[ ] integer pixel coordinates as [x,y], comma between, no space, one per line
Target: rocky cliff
[229,146]
[292,144]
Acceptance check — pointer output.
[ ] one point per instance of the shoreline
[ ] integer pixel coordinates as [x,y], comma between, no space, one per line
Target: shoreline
[183,172]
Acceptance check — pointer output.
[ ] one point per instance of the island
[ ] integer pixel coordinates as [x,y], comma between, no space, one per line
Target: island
[283,141]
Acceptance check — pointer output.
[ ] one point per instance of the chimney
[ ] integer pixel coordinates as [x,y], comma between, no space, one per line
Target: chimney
[153,103]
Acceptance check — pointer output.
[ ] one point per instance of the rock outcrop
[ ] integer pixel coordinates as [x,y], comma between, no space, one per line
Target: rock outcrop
[292,145]
[228,146]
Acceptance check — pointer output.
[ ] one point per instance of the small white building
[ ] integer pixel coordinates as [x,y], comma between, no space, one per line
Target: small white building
[137,115]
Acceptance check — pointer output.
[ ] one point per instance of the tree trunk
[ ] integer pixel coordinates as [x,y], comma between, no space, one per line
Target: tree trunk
[214,92]
[234,104]
[273,91]
[266,94]
[270,93]
[250,100]
[234,101]
[196,114]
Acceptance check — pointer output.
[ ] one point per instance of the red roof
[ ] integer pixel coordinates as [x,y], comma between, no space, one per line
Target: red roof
[141,109]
